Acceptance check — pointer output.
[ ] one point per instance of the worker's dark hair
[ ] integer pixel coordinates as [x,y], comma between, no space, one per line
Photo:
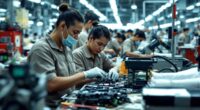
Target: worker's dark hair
[185,29]
[130,31]
[26,35]
[140,33]
[122,36]
[69,15]
[90,15]
[99,31]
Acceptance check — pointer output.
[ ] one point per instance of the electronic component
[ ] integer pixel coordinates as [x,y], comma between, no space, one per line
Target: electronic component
[107,94]
[134,65]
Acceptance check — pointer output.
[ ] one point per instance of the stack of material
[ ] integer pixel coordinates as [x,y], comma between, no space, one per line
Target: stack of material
[184,79]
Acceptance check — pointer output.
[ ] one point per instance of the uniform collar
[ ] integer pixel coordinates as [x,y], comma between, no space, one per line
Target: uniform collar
[87,53]
[52,43]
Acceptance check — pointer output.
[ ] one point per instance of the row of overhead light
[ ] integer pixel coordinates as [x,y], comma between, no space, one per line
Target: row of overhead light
[113,6]
[189,20]
[91,7]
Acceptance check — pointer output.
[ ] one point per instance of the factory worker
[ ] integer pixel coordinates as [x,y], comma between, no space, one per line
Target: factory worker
[90,55]
[90,20]
[53,56]
[130,45]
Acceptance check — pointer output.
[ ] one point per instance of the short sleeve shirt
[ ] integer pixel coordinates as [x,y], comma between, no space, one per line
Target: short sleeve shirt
[46,57]
[129,46]
[113,44]
[84,61]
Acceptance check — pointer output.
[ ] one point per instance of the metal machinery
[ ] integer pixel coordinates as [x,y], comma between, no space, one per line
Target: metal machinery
[134,65]
[22,89]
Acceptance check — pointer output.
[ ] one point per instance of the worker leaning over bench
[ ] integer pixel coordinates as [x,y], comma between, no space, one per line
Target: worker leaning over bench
[90,55]
[53,56]
[131,44]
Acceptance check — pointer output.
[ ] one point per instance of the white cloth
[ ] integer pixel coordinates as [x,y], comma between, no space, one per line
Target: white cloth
[186,74]
[184,79]
[185,83]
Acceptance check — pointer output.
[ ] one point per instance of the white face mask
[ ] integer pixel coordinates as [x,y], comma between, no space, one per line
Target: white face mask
[69,41]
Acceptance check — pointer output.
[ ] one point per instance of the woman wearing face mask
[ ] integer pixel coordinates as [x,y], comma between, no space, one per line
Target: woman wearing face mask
[52,56]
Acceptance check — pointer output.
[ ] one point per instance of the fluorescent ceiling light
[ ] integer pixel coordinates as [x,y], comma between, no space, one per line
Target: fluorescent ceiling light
[165,25]
[135,26]
[16,3]
[117,26]
[190,7]
[153,27]
[90,7]
[198,4]
[134,7]
[161,18]
[2,18]
[192,20]
[56,14]
[182,16]
[161,9]
[39,23]
[141,22]
[29,15]
[2,10]
[54,6]
[30,22]
[155,13]
[170,15]
[177,22]
[113,26]
[114,8]
[148,18]
[53,20]
[35,1]
[42,3]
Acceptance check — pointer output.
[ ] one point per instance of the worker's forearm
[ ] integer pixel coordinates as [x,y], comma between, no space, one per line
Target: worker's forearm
[61,83]
[131,54]
[135,55]
[81,83]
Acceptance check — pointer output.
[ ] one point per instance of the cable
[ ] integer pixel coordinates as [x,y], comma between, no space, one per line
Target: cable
[166,59]
[168,69]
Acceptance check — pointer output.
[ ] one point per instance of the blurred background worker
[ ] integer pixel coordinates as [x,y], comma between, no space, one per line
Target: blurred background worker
[114,46]
[129,33]
[131,44]
[184,36]
[90,55]
[91,20]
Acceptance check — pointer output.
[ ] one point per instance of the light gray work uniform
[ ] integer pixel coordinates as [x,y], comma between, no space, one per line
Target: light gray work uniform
[84,60]
[46,57]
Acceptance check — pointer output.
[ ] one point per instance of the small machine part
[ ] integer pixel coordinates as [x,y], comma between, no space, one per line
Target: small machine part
[106,94]
[134,65]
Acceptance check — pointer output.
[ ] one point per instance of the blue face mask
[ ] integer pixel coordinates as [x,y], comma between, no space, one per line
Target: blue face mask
[137,43]
[69,41]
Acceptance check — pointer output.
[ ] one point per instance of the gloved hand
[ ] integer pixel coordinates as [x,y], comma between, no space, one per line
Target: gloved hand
[113,74]
[95,73]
